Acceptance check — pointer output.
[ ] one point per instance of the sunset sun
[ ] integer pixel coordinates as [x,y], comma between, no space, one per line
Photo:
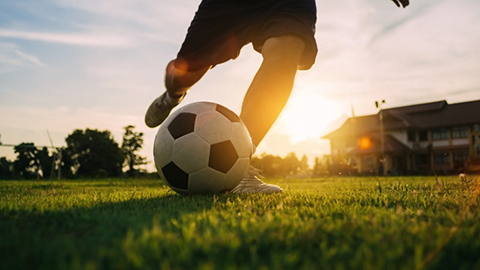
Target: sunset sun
[307,115]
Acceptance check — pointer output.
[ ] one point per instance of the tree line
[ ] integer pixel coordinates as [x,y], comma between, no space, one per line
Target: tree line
[292,166]
[89,153]
[92,153]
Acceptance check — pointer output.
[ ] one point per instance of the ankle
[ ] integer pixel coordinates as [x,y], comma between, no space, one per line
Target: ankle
[172,84]
[175,95]
[173,99]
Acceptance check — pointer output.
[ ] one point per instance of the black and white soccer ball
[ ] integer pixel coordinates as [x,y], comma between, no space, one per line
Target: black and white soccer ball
[202,148]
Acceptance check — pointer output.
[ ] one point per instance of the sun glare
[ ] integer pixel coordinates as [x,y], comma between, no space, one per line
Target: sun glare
[365,143]
[308,115]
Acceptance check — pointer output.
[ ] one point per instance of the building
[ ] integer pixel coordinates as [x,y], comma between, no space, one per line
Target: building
[428,138]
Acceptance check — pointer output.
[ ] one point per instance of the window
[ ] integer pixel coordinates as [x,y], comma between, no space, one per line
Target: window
[441,158]
[440,134]
[461,156]
[423,135]
[459,132]
[422,159]
[476,145]
[411,136]
[476,128]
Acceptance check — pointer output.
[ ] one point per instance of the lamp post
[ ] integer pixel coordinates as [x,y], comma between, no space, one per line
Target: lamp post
[378,105]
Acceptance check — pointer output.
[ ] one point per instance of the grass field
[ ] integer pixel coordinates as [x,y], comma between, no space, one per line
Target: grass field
[325,223]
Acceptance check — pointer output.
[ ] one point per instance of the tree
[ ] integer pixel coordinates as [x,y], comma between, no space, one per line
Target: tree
[45,161]
[291,164]
[6,168]
[131,144]
[270,165]
[321,166]
[66,163]
[94,153]
[32,162]
[304,164]
[26,164]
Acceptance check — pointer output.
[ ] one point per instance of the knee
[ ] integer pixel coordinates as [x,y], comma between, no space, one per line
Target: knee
[285,48]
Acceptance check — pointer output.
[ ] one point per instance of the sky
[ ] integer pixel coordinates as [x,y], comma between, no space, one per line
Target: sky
[68,65]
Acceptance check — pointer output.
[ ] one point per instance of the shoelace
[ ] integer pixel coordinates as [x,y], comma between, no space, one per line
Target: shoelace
[251,183]
[163,103]
[253,176]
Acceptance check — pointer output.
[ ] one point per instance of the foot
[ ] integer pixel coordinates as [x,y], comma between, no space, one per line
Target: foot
[251,183]
[160,109]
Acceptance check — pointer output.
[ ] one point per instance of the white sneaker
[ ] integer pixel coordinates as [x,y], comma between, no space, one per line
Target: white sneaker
[251,183]
[160,109]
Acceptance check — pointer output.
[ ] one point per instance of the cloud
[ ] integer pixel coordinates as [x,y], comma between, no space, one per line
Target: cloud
[420,9]
[12,58]
[368,50]
[29,58]
[29,124]
[148,19]
[80,39]
[422,53]
[144,12]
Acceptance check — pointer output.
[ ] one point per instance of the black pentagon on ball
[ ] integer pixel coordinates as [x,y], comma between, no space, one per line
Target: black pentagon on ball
[175,176]
[222,156]
[183,124]
[227,113]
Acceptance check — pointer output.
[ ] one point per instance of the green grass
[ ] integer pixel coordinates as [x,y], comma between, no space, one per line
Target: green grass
[325,223]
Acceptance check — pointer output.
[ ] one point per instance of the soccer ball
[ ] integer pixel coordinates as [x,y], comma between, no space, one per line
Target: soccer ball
[202,148]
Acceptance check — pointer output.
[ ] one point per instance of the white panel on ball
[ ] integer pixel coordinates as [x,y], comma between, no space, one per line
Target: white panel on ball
[199,107]
[236,173]
[241,140]
[190,153]
[213,127]
[163,148]
[206,181]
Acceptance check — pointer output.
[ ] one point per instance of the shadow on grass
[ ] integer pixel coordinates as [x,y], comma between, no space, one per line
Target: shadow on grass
[59,239]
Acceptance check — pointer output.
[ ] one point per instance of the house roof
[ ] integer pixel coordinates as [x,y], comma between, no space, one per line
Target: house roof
[414,117]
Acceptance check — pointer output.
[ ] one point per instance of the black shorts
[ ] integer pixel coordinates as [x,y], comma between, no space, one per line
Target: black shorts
[221,28]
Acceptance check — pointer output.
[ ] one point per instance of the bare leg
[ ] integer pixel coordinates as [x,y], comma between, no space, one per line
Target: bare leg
[178,79]
[272,85]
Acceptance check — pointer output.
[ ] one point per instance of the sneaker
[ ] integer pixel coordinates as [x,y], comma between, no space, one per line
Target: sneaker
[160,109]
[251,183]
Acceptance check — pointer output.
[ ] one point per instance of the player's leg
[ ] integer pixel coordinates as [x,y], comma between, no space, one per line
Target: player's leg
[210,40]
[266,97]
[272,85]
[178,79]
